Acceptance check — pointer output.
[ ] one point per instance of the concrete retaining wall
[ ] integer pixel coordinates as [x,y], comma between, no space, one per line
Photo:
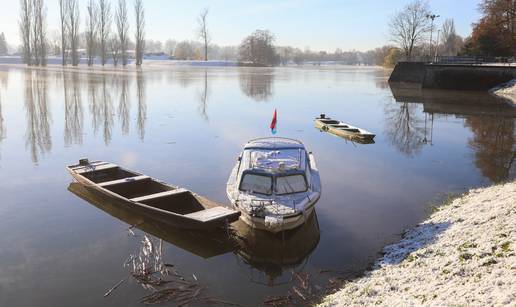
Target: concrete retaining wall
[452,77]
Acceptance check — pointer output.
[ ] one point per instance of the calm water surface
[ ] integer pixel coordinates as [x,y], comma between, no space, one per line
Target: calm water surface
[186,126]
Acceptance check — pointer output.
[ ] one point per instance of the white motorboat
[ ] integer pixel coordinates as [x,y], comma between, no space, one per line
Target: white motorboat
[274,184]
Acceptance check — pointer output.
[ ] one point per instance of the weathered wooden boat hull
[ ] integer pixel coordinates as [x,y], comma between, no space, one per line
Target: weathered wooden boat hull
[182,199]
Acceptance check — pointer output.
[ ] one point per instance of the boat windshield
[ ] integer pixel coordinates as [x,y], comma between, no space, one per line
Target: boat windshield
[254,183]
[290,184]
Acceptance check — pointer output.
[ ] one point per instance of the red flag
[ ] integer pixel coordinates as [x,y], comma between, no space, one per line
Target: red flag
[273,122]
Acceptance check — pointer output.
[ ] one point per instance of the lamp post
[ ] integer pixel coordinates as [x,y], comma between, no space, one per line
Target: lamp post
[432,17]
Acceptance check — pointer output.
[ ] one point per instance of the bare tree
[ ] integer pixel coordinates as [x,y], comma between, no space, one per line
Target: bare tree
[114,48]
[38,34]
[452,43]
[409,26]
[42,32]
[73,29]
[25,29]
[203,31]
[140,31]
[34,42]
[122,26]
[63,17]
[91,30]
[104,26]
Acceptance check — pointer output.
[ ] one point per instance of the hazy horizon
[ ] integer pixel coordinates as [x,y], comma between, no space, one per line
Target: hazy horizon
[319,25]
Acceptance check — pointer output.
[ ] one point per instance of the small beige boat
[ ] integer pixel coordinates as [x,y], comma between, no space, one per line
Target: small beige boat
[344,130]
[170,204]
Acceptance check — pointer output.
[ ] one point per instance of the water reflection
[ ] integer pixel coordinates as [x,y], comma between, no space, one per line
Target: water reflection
[203,97]
[491,120]
[142,106]
[37,134]
[268,254]
[404,127]
[198,243]
[3,85]
[273,254]
[74,116]
[494,144]
[124,104]
[257,84]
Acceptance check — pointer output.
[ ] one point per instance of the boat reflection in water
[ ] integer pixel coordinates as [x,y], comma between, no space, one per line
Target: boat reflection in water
[200,243]
[270,254]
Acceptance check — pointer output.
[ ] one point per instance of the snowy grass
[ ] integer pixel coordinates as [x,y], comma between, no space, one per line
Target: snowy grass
[463,254]
[506,91]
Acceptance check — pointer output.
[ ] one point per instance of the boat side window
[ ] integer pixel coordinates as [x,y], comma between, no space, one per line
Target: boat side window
[291,184]
[307,172]
[255,183]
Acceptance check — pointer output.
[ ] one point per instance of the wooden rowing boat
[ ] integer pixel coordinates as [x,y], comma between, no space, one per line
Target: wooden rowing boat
[170,204]
[344,130]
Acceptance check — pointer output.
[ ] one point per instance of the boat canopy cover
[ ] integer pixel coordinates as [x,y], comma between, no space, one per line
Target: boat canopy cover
[274,143]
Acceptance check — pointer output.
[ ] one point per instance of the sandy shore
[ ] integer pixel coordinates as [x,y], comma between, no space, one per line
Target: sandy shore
[464,254]
[506,91]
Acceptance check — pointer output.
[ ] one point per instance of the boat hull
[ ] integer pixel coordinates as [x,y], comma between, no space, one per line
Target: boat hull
[289,223]
[166,217]
[365,137]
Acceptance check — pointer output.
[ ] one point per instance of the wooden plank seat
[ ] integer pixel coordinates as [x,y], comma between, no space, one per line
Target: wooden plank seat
[159,195]
[210,214]
[92,168]
[124,180]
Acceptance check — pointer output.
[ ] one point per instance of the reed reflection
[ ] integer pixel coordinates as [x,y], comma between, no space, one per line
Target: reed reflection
[37,134]
[257,85]
[494,144]
[74,115]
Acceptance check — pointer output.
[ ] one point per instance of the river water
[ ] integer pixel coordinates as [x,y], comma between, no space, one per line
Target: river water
[186,126]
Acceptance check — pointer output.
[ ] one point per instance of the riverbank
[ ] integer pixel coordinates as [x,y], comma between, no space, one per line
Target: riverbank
[506,91]
[463,254]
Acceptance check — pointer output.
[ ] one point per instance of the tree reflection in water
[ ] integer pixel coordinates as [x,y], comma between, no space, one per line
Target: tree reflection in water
[257,85]
[494,144]
[37,134]
[142,106]
[404,127]
[3,85]
[124,104]
[203,97]
[74,116]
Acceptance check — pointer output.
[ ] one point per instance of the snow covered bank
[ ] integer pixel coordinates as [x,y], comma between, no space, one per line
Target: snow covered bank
[506,91]
[464,254]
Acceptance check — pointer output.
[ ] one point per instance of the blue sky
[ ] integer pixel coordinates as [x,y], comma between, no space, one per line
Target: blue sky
[323,24]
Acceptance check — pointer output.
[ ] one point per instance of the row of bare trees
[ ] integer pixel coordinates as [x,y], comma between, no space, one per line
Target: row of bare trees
[99,38]
[33,29]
